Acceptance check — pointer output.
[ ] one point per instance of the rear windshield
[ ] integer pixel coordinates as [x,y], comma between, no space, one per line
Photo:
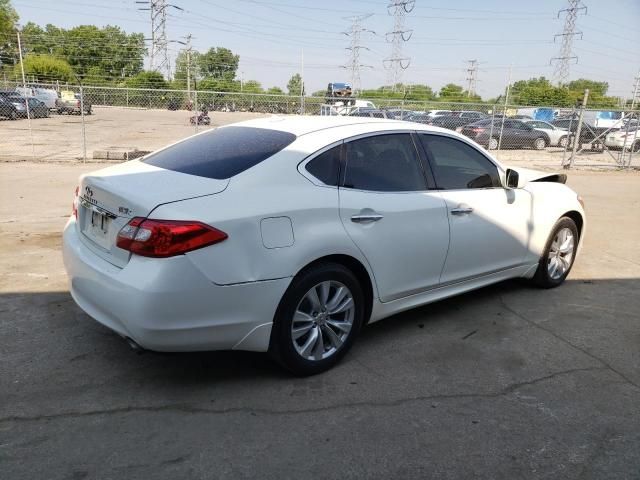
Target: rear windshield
[223,152]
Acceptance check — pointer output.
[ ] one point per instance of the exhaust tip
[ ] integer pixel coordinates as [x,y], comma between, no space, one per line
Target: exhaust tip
[134,346]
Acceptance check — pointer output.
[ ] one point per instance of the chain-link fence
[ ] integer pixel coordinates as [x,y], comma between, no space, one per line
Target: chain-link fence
[94,123]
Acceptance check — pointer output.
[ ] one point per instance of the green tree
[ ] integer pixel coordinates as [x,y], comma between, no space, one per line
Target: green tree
[218,63]
[294,86]
[595,88]
[45,68]
[147,79]
[8,40]
[108,51]
[420,92]
[452,92]
[218,85]
[184,64]
[252,86]
[276,91]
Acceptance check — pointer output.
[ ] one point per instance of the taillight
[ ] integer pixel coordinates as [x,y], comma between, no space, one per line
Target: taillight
[477,130]
[74,205]
[166,238]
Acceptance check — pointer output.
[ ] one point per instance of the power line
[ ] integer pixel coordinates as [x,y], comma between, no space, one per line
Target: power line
[565,56]
[354,49]
[396,63]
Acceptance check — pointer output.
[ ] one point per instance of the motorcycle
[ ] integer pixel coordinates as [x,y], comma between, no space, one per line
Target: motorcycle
[202,118]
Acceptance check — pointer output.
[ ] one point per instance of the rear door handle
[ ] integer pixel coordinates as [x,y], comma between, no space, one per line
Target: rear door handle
[367,218]
[461,211]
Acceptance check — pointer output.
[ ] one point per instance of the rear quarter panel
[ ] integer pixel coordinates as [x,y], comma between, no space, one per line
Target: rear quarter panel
[273,188]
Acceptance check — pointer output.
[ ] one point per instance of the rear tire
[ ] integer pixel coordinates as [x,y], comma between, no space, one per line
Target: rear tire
[317,319]
[13,115]
[493,143]
[563,142]
[539,143]
[559,254]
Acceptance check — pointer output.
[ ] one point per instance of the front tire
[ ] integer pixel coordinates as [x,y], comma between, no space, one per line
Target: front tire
[317,319]
[559,254]
[493,143]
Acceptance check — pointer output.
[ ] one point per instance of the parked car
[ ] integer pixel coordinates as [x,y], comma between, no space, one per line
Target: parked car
[629,139]
[588,133]
[37,109]
[515,134]
[289,235]
[558,137]
[457,119]
[419,118]
[370,112]
[397,113]
[8,109]
[70,102]
[48,96]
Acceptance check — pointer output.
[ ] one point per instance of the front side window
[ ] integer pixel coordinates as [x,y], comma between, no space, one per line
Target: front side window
[457,165]
[383,163]
[326,166]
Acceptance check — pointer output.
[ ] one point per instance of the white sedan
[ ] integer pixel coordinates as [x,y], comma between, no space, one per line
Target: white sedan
[558,137]
[288,235]
[625,138]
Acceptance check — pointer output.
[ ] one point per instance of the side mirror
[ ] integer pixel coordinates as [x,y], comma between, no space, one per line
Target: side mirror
[512,178]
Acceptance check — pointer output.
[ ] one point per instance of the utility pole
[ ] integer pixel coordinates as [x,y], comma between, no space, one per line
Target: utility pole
[354,49]
[636,90]
[565,55]
[472,78]
[302,83]
[188,44]
[158,53]
[576,141]
[24,86]
[396,63]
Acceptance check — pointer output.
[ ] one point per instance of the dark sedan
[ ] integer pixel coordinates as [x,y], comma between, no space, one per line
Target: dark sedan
[8,109]
[515,134]
[457,119]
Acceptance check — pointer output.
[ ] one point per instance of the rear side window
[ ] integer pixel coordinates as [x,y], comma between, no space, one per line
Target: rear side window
[223,152]
[383,163]
[326,166]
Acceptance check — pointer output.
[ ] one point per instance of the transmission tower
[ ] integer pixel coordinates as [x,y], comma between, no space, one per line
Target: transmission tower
[396,63]
[565,56]
[158,53]
[636,92]
[472,77]
[353,63]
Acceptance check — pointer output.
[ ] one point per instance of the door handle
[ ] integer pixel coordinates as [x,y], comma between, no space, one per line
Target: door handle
[461,210]
[370,217]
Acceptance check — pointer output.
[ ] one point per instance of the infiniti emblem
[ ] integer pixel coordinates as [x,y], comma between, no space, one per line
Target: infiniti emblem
[88,191]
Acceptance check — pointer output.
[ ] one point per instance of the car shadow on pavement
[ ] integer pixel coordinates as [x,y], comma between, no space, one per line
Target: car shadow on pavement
[61,336]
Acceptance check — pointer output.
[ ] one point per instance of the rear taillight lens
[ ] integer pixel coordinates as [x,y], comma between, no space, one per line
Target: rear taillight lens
[166,238]
[74,205]
[477,130]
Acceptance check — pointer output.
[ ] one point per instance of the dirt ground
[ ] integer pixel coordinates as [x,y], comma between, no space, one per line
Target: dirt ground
[506,382]
[60,137]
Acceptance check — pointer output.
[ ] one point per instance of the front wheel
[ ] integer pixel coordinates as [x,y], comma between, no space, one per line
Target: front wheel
[559,254]
[317,320]
[493,143]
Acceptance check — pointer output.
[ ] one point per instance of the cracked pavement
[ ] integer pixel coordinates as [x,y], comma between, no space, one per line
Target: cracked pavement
[506,382]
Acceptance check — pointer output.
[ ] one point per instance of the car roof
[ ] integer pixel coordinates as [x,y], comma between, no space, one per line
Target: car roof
[305,124]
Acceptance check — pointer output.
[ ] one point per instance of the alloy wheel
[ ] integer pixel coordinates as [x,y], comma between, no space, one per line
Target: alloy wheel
[323,320]
[560,253]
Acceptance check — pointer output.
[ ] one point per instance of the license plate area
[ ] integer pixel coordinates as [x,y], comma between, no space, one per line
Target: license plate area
[97,226]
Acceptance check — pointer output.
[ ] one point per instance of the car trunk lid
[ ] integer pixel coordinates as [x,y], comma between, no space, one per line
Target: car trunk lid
[109,198]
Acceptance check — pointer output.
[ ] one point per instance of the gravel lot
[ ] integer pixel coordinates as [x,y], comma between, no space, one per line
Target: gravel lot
[59,138]
[507,382]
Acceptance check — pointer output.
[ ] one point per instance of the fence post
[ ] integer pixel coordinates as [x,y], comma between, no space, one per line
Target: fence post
[84,135]
[195,109]
[577,141]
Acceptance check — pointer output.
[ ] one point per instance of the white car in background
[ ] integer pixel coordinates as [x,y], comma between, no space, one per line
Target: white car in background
[625,138]
[558,137]
[289,234]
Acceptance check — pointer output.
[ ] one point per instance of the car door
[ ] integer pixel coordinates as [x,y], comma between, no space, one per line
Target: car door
[388,210]
[489,225]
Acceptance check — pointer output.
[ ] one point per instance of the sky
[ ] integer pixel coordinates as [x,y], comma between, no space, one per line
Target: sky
[273,37]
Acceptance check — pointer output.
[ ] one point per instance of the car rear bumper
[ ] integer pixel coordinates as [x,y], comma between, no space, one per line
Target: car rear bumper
[168,304]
